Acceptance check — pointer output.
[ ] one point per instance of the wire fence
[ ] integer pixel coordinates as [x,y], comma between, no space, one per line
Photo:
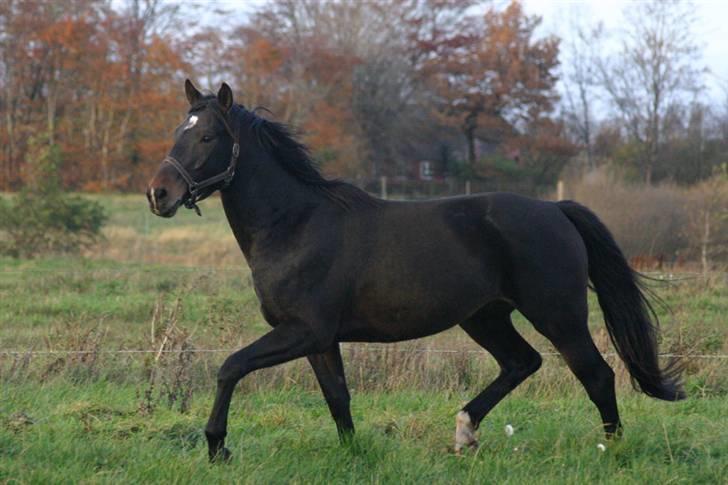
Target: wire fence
[153,267]
[677,276]
[368,348]
[667,277]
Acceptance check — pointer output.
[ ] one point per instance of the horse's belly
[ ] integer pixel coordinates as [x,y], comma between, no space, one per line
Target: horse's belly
[388,315]
[391,331]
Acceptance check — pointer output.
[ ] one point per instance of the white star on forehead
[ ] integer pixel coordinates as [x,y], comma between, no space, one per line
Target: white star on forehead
[192,121]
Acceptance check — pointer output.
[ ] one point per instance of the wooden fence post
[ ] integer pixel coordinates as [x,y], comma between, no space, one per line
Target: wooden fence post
[383,186]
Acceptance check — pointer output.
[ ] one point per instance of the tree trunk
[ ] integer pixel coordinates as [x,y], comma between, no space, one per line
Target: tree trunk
[10,146]
[471,123]
[587,134]
[52,116]
[105,172]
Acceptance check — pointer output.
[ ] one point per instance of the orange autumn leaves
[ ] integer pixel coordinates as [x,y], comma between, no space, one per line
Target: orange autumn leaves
[103,81]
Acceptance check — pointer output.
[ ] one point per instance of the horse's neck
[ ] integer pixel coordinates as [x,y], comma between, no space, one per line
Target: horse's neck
[266,200]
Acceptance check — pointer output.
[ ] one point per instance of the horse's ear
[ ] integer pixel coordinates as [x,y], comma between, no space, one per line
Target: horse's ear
[193,95]
[225,96]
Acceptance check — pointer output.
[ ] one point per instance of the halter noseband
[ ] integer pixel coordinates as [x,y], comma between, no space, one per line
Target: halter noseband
[194,187]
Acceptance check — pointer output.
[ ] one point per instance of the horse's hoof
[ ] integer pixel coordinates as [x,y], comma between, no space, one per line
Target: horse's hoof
[222,455]
[464,433]
[614,432]
[473,445]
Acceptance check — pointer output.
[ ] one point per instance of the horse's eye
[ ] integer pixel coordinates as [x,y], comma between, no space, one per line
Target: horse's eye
[206,138]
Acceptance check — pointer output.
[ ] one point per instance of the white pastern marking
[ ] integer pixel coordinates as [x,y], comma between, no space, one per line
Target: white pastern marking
[464,432]
[192,121]
[154,200]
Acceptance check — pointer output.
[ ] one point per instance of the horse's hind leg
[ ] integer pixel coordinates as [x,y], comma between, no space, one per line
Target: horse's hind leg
[491,327]
[329,370]
[567,329]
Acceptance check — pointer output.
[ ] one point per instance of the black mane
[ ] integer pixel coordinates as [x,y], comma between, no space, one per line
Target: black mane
[294,157]
[278,140]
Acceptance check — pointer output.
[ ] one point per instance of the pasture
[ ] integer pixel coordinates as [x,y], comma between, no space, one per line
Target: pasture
[164,286]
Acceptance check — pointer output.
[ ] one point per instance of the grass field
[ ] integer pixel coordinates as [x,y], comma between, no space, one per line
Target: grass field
[110,417]
[93,432]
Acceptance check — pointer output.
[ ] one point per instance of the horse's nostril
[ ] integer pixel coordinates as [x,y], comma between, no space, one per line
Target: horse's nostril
[160,193]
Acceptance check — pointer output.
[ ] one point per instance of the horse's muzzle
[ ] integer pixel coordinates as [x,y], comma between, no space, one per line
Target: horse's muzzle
[160,203]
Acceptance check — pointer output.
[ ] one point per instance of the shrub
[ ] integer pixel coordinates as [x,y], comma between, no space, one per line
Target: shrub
[42,218]
[707,230]
[645,220]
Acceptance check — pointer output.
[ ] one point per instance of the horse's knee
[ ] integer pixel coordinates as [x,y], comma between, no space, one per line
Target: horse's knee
[231,371]
[523,367]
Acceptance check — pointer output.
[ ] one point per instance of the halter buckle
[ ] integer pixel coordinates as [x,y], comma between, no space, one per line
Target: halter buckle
[191,203]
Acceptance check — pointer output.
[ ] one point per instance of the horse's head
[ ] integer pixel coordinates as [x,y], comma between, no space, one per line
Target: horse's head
[203,157]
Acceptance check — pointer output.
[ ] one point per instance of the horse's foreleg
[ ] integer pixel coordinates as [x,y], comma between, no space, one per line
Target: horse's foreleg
[282,344]
[329,370]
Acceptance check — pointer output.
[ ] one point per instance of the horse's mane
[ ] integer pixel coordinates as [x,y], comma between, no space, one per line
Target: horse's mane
[295,158]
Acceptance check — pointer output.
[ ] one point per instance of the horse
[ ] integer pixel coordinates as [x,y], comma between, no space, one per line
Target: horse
[331,264]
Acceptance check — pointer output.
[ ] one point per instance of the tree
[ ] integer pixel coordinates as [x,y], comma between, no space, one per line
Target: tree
[544,151]
[292,60]
[496,72]
[580,83]
[344,72]
[654,68]
[101,78]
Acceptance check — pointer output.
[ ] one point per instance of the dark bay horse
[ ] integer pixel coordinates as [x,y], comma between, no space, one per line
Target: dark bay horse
[332,264]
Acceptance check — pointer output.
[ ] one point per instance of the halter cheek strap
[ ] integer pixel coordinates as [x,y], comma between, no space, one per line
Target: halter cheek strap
[194,187]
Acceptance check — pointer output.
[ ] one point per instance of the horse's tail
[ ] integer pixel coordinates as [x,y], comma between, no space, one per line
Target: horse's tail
[631,321]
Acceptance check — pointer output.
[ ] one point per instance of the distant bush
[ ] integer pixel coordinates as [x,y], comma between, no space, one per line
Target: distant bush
[645,220]
[663,221]
[42,218]
[708,227]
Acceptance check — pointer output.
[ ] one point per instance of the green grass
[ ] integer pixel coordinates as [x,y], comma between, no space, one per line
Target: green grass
[107,418]
[132,211]
[93,433]
[37,295]
[87,425]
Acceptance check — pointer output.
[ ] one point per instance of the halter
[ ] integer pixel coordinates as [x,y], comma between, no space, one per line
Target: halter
[194,187]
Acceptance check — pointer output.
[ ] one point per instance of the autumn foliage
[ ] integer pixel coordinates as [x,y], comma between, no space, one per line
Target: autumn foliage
[370,86]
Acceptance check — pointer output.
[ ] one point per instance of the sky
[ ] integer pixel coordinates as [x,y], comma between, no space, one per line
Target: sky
[711,28]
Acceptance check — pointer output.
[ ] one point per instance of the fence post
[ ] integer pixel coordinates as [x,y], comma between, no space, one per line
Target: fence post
[467,187]
[383,186]
[560,190]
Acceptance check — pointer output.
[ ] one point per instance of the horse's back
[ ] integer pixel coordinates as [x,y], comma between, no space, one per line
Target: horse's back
[420,267]
[470,250]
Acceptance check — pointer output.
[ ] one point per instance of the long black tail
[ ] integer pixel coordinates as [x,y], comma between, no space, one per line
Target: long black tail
[630,319]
